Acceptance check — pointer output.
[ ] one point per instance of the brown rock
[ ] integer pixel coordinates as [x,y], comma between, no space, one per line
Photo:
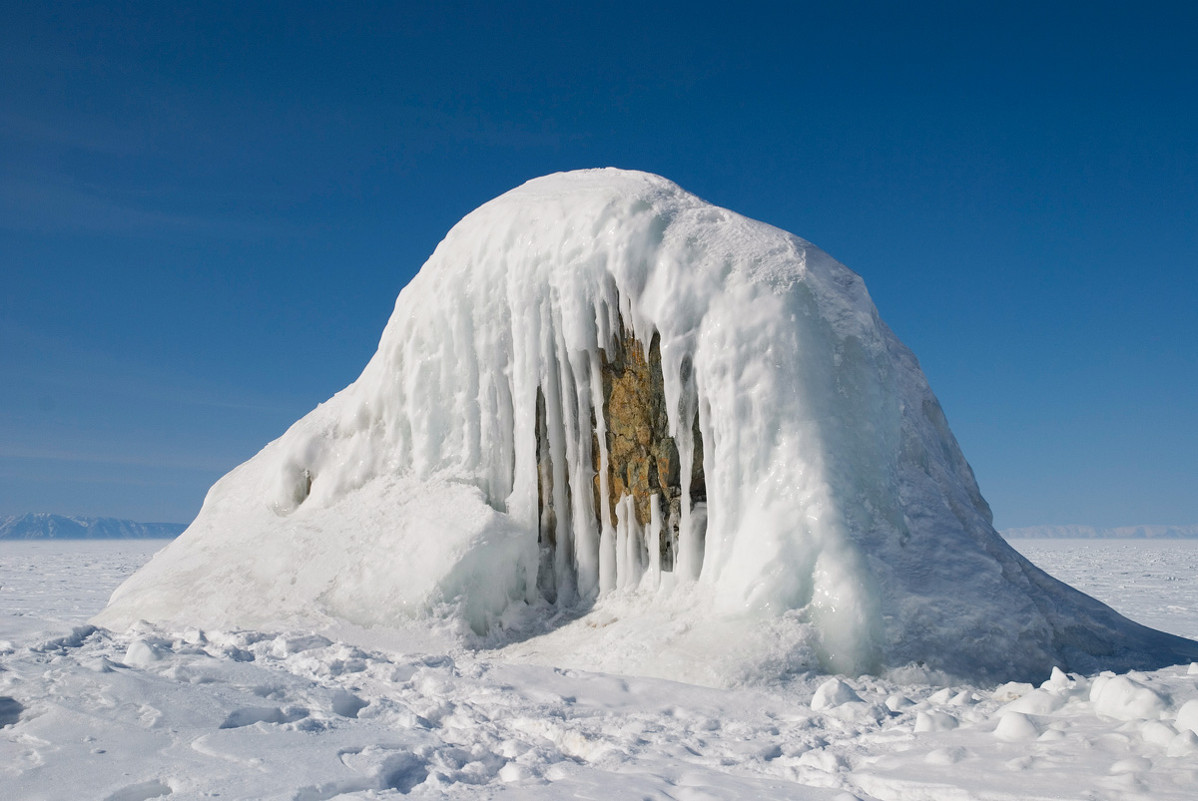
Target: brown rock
[642,456]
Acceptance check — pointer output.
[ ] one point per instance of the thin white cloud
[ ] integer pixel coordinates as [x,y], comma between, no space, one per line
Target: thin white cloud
[48,207]
[83,132]
[131,460]
[66,367]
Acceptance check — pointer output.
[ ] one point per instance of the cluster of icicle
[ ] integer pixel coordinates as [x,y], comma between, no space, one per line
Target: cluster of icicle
[836,497]
[522,295]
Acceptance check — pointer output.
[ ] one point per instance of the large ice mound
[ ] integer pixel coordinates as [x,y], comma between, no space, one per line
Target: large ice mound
[471,473]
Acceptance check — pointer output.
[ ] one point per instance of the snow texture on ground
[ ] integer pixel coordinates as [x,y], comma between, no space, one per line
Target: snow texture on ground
[156,713]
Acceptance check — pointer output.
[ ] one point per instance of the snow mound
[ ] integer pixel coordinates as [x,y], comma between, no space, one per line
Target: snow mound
[464,476]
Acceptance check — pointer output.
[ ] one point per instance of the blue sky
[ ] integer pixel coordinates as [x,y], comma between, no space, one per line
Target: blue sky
[206,212]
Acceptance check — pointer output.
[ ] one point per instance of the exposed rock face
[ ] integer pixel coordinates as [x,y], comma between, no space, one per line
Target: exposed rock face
[642,456]
[643,459]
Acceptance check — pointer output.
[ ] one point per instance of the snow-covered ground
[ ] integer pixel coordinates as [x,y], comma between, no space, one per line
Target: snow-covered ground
[289,715]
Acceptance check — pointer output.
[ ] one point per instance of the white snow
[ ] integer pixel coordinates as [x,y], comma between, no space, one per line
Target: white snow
[293,714]
[842,529]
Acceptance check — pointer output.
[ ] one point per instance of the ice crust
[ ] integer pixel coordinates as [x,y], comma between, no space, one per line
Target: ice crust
[843,529]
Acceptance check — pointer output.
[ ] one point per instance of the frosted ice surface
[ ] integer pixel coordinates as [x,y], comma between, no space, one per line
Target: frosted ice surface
[842,530]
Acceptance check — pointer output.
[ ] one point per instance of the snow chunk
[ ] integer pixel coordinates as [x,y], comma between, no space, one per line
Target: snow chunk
[1125,698]
[142,654]
[1187,716]
[934,720]
[1158,733]
[1015,726]
[1037,702]
[1011,690]
[1184,744]
[1058,680]
[833,693]
[298,643]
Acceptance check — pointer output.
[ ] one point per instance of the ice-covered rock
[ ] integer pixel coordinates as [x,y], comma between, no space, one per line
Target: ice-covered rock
[488,461]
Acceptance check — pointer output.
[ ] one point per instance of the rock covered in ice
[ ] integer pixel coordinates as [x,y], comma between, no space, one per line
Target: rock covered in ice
[836,524]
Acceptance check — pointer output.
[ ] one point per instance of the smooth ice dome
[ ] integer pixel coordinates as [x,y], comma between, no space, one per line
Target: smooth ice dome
[612,425]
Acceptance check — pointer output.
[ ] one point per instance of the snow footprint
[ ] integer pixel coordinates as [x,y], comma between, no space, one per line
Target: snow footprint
[382,768]
[348,705]
[10,710]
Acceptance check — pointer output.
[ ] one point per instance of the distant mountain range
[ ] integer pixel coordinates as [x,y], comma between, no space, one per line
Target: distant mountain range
[42,526]
[1094,533]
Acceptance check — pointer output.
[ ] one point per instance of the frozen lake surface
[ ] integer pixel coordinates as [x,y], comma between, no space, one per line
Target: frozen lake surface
[1154,582]
[48,585]
[293,715]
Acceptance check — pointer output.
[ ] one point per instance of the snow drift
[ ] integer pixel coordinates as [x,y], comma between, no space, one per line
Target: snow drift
[468,473]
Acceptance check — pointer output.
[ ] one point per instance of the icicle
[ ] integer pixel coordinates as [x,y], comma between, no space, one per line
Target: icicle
[654,574]
[698,522]
[505,455]
[689,558]
[607,545]
[685,562]
[586,527]
[562,442]
[621,543]
[522,502]
[635,565]
[629,545]
[607,560]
